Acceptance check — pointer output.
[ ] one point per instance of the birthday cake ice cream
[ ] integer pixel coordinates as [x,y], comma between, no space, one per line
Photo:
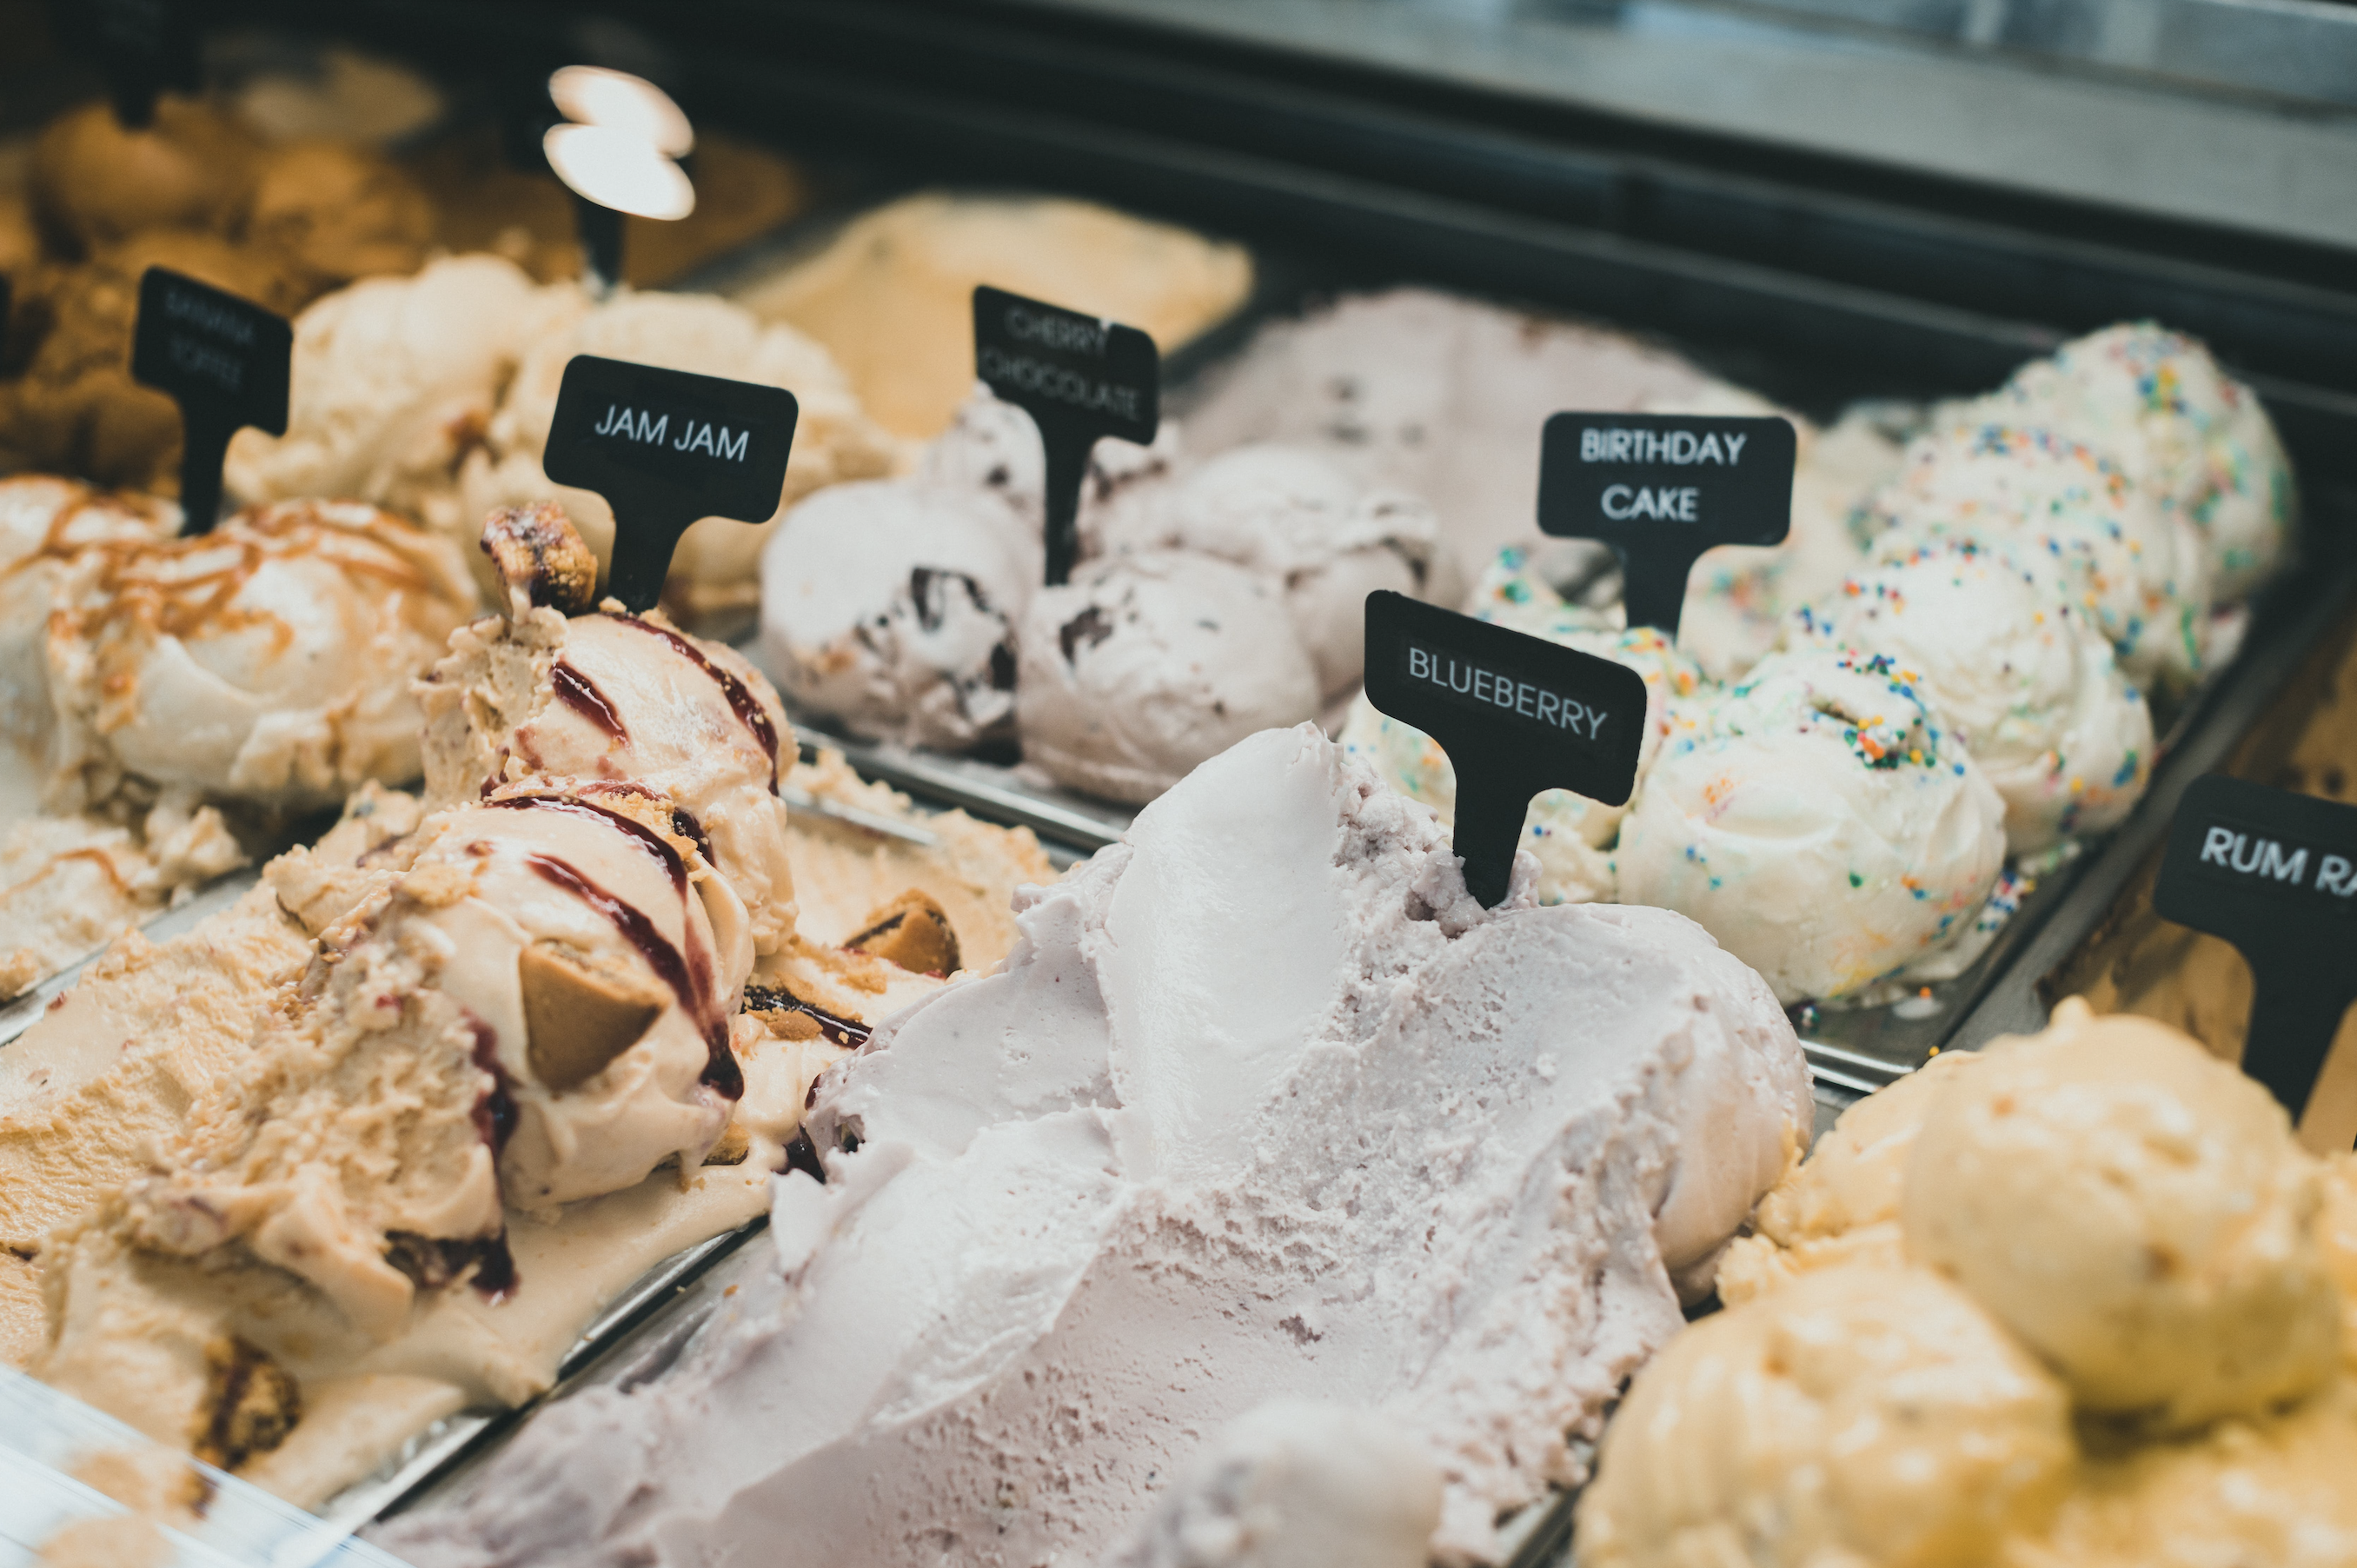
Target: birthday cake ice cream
[1366,1142]
[1821,820]
[2027,681]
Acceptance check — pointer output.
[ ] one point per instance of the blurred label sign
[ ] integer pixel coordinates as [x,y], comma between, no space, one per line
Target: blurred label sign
[2275,874]
[225,360]
[1661,488]
[1080,378]
[666,448]
[1516,715]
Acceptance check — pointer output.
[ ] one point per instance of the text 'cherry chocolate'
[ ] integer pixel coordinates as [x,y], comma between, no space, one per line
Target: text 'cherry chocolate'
[1516,715]
[1661,488]
[666,448]
[225,360]
[2275,874]
[1079,378]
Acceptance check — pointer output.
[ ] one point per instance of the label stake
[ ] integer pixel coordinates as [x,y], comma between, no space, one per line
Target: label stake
[2275,874]
[225,360]
[1516,715]
[666,448]
[1079,378]
[1661,488]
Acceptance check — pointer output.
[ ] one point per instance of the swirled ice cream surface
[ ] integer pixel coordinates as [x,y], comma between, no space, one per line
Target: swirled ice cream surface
[1263,1105]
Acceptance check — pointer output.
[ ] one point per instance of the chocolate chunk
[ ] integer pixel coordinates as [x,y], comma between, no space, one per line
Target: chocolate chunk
[578,1019]
[912,931]
[251,1404]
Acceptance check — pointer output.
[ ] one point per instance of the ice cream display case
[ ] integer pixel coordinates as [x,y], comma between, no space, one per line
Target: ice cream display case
[1908,771]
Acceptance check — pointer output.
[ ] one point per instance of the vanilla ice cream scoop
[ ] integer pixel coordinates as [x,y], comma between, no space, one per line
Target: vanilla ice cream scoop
[891,605]
[619,706]
[715,571]
[1820,819]
[2136,1211]
[1145,665]
[2093,536]
[2158,403]
[2029,684]
[1293,516]
[394,381]
[1737,594]
[269,660]
[1861,1416]
[1569,835]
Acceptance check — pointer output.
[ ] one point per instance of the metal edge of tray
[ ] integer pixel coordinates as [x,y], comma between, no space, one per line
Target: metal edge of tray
[23,1012]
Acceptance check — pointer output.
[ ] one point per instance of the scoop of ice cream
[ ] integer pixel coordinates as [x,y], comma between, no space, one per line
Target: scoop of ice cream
[2271,1488]
[336,212]
[95,181]
[540,1004]
[1145,665]
[1295,1485]
[1821,820]
[269,660]
[1327,541]
[45,523]
[2091,533]
[995,446]
[892,296]
[892,606]
[621,706]
[2136,1211]
[715,569]
[1739,595]
[2158,403]
[77,410]
[1864,1415]
[1842,1205]
[1569,835]
[395,381]
[2029,684]
[1371,1144]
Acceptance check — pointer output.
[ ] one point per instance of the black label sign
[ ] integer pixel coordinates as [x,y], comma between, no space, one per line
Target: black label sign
[1079,378]
[665,448]
[1516,715]
[141,46]
[2275,874]
[1661,488]
[225,360]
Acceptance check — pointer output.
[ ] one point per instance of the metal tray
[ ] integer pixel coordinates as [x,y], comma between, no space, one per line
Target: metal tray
[1799,277]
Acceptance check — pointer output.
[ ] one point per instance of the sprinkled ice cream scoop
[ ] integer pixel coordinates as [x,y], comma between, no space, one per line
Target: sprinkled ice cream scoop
[2029,683]
[2156,404]
[1820,819]
[2074,517]
[1570,834]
